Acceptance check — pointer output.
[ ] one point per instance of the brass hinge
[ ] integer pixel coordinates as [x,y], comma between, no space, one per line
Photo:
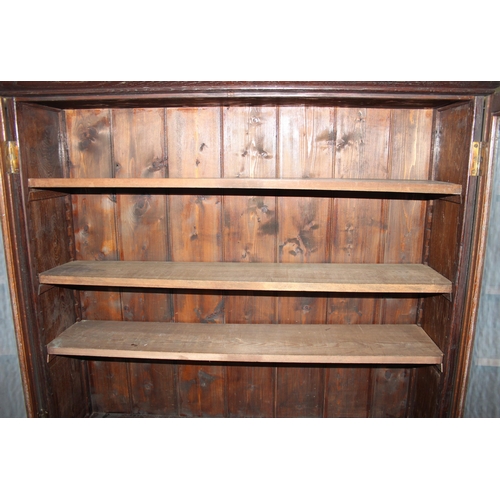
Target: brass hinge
[478,155]
[10,151]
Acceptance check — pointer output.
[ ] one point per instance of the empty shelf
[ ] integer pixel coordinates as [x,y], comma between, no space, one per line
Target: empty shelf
[362,185]
[370,278]
[400,344]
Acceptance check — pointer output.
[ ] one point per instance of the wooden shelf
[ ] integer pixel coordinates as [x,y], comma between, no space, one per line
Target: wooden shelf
[369,278]
[360,185]
[401,344]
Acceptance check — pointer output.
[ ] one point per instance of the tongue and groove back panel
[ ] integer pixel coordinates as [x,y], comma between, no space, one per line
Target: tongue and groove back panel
[234,141]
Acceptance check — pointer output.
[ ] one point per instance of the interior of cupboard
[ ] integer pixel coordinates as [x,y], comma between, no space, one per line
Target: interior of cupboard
[254,226]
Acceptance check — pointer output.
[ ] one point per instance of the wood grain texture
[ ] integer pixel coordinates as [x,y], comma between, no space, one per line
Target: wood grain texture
[250,235]
[50,242]
[138,145]
[306,138]
[153,389]
[70,394]
[410,186]
[454,132]
[358,226]
[390,392]
[386,145]
[194,143]
[139,151]
[154,94]
[94,220]
[409,158]
[378,278]
[86,89]
[109,386]
[286,343]
[40,148]
[348,391]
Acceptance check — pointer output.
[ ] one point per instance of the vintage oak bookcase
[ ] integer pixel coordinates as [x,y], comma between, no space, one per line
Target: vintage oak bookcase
[243,249]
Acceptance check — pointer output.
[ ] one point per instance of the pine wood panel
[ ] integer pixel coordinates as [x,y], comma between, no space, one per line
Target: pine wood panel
[390,392]
[139,152]
[300,392]
[89,155]
[194,143]
[451,223]
[51,246]
[50,239]
[69,391]
[109,386]
[410,147]
[39,128]
[358,229]
[89,149]
[250,227]
[409,158]
[378,278]
[284,343]
[305,151]
[361,151]
[153,388]
[348,391]
[138,144]
[427,392]
[202,390]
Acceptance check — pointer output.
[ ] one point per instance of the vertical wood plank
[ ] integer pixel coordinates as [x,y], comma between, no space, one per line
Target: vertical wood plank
[358,233]
[250,226]
[451,223]
[139,151]
[154,388]
[90,155]
[305,151]
[300,392]
[409,159]
[89,145]
[109,385]
[390,392]
[202,390]
[359,224]
[69,390]
[51,240]
[194,143]
[348,392]
[410,148]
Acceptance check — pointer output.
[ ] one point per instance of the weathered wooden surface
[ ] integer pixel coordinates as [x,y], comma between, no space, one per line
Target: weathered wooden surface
[250,236]
[299,184]
[139,150]
[50,240]
[442,318]
[94,218]
[286,343]
[69,95]
[193,143]
[375,278]
[255,147]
